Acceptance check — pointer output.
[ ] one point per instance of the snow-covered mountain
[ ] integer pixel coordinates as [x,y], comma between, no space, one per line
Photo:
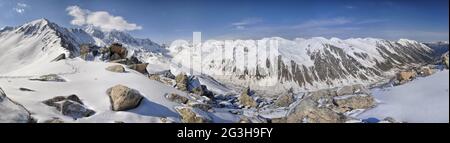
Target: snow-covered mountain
[304,64]
[42,41]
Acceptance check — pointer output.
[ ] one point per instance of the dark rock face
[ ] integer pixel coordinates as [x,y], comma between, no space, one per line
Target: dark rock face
[50,77]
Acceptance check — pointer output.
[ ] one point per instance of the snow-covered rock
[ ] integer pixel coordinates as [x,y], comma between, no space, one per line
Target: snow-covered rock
[11,112]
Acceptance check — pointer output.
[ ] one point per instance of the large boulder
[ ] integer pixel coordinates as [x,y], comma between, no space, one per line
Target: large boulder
[123,98]
[12,112]
[116,68]
[246,100]
[426,71]
[142,68]
[351,102]
[308,111]
[405,76]
[193,115]
[50,77]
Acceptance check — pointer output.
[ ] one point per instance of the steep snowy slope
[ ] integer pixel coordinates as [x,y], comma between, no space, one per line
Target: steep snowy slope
[37,42]
[305,64]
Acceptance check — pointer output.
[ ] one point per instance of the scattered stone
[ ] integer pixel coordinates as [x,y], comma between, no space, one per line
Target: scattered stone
[351,102]
[50,77]
[246,100]
[308,111]
[177,98]
[405,76]
[12,112]
[69,106]
[286,99]
[123,98]
[201,106]
[26,89]
[193,115]
[182,81]
[118,51]
[390,120]
[142,68]
[75,109]
[445,60]
[426,71]
[116,68]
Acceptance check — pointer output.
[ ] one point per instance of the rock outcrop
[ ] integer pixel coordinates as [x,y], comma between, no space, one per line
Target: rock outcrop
[50,77]
[308,111]
[246,100]
[69,106]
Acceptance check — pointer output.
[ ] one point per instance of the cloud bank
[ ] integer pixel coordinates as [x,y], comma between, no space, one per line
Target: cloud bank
[100,19]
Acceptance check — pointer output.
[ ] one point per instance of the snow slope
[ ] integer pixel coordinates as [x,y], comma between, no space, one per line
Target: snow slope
[425,100]
[89,83]
[304,64]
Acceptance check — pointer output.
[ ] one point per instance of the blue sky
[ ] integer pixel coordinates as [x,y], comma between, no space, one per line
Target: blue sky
[166,20]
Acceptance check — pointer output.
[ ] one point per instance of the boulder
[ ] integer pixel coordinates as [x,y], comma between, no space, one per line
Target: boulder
[50,77]
[351,102]
[75,109]
[405,76]
[182,82]
[177,98]
[115,58]
[308,111]
[345,90]
[84,51]
[426,71]
[142,68]
[118,50]
[116,68]
[246,100]
[123,98]
[26,89]
[193,115]
[201,106]
[285,100]
[69,106]
[12,112]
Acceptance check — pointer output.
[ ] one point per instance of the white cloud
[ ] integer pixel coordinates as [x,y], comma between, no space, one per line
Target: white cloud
[243,24]
[350,7]
[20,8]
[100,19]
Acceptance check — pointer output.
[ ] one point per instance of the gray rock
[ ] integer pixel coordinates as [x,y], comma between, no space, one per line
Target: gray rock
[12,112]
[177,98]
[201,106]
[75,109]
[50,77]
[308,111]
[69,106]
[355,102]
[123,98]
[116,68]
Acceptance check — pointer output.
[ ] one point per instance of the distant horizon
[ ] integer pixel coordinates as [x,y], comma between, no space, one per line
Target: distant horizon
[167,21]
